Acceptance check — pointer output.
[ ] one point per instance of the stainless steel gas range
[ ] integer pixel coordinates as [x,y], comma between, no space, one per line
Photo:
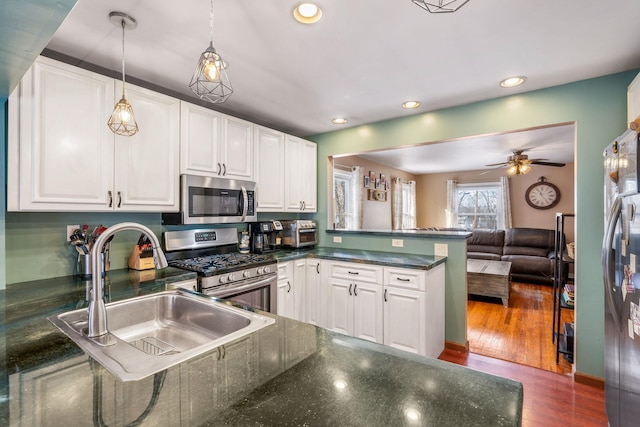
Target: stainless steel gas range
[223,272]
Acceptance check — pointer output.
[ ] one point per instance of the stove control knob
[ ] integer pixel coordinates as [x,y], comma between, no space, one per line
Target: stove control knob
[260,270]
[246,274]
[231,277]
[223,279]
[267,270]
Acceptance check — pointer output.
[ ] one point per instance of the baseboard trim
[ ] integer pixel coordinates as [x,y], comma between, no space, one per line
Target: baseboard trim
[589,380]
[449,345]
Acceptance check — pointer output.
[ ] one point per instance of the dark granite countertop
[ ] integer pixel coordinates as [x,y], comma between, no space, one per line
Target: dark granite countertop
[424,233]
[289,373]
[420,262]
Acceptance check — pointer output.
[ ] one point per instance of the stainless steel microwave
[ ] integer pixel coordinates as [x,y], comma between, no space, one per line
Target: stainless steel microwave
[208,200]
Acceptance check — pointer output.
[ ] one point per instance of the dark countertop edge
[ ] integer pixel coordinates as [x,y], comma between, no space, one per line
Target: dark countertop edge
[426,234]
[389,259]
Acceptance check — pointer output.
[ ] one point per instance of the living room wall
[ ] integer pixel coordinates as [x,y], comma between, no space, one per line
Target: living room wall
[431,196]
[375,215]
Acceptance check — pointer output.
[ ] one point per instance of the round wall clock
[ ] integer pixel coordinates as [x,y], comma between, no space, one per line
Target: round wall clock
[542,194]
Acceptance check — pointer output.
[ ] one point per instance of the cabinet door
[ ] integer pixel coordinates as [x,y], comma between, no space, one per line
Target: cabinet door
[293,173]
[201,387]
[237,148]
[285,299]
[312,297]
[299,284]
[340,306]
[309,176]
[270,166]
[367,313]
[64,146]
[405,319]
[199,140]
[146,165]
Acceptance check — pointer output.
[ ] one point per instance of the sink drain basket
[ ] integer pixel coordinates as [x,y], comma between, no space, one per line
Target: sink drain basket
[153,346]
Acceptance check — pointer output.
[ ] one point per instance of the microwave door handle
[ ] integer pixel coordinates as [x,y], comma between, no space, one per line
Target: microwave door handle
[608,259]
[245,203]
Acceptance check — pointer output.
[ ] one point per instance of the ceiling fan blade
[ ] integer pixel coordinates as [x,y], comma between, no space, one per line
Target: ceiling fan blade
[500,164]
[558,165]
[492,169]
[537,160]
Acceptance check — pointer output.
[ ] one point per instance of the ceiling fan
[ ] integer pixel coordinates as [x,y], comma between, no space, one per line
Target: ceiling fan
[520,164]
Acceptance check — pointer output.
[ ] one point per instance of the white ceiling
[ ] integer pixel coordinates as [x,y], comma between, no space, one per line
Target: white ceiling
[364,58]
[553,143]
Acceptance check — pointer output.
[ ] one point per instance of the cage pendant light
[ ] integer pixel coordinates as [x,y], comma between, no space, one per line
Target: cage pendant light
[210,80]
[122,120]
[440,6]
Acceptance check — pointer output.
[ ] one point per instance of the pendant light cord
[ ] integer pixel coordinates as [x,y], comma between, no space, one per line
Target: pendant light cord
[123,25]
[211,23]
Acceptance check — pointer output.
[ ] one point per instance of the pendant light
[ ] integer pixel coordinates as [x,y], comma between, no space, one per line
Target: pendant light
[210,81]
[122,120]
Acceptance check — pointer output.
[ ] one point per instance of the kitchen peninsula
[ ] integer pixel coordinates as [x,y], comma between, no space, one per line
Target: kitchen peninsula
[289,373]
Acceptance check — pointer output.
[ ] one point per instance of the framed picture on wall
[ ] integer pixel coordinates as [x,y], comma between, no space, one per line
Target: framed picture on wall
[367,181]
[377,181]
[372,176]
[388,185]
[383,180]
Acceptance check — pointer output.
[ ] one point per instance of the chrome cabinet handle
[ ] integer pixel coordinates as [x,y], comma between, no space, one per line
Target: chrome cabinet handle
[224,169]
[289,288]
[110,198]
[385,295]
[350,285]
[119,199]
[355,290]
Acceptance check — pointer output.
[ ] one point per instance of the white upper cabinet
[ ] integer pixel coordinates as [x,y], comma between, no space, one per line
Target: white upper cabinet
[146,164]
[199,140]
[300,175]
[269,169]
[63,157]
[214,144]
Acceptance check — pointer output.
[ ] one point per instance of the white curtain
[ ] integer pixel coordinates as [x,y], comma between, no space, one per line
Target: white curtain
[410,210]
[506,203]
[358,180]
[451,212]
[396,204]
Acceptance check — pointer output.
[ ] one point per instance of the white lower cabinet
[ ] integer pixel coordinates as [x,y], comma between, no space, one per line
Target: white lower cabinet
[313,295]
[414,310]
[291,282]
[354,300]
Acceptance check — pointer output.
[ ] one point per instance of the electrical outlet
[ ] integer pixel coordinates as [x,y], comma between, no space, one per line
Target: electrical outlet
[397,243]
[441,249]
[337,239]
[70,229]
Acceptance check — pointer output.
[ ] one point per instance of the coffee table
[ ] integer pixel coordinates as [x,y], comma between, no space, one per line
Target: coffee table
[489,278]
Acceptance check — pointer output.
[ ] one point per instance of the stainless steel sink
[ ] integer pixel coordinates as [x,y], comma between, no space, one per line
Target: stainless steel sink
[151,333]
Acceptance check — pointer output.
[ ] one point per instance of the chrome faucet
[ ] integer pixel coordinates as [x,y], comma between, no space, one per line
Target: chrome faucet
[97,327]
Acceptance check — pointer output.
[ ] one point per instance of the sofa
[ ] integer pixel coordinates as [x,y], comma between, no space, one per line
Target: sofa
[530,251]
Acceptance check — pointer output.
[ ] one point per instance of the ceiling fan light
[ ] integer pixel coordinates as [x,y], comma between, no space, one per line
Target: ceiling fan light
[524,168]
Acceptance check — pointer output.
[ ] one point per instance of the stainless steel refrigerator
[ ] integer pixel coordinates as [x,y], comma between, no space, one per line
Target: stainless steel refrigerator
[621,268]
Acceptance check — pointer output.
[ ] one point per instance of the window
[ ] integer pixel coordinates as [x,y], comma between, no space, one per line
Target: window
[344,195]
[480,205]
[408,205]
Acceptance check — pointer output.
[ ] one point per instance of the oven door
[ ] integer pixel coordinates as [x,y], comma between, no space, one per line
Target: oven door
[307,237]
[260,293]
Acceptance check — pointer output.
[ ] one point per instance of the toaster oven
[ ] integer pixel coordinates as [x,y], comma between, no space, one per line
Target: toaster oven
[299,233]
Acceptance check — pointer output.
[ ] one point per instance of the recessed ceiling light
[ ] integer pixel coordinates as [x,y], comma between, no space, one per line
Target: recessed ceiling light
[339,120]
[307,13]
[513,81]
[411,104]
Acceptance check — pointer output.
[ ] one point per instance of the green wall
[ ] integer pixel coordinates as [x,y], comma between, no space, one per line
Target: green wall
[597,106]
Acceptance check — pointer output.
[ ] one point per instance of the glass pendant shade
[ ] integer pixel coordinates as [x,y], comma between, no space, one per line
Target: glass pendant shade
[440,6]
[519,169]
[210,80]
[122,120]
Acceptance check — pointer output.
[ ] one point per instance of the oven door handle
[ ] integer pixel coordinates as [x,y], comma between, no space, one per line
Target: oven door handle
[236,289]
[245,203]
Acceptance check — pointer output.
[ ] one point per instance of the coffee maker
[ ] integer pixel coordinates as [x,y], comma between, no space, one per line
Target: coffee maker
[265,236]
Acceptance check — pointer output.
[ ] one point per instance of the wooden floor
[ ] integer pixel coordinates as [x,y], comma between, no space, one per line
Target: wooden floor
[550,399]
[515,342]
[520,333]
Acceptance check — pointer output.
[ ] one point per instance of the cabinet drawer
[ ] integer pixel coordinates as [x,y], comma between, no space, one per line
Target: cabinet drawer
[365,273]
[405,278]
[285,270]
